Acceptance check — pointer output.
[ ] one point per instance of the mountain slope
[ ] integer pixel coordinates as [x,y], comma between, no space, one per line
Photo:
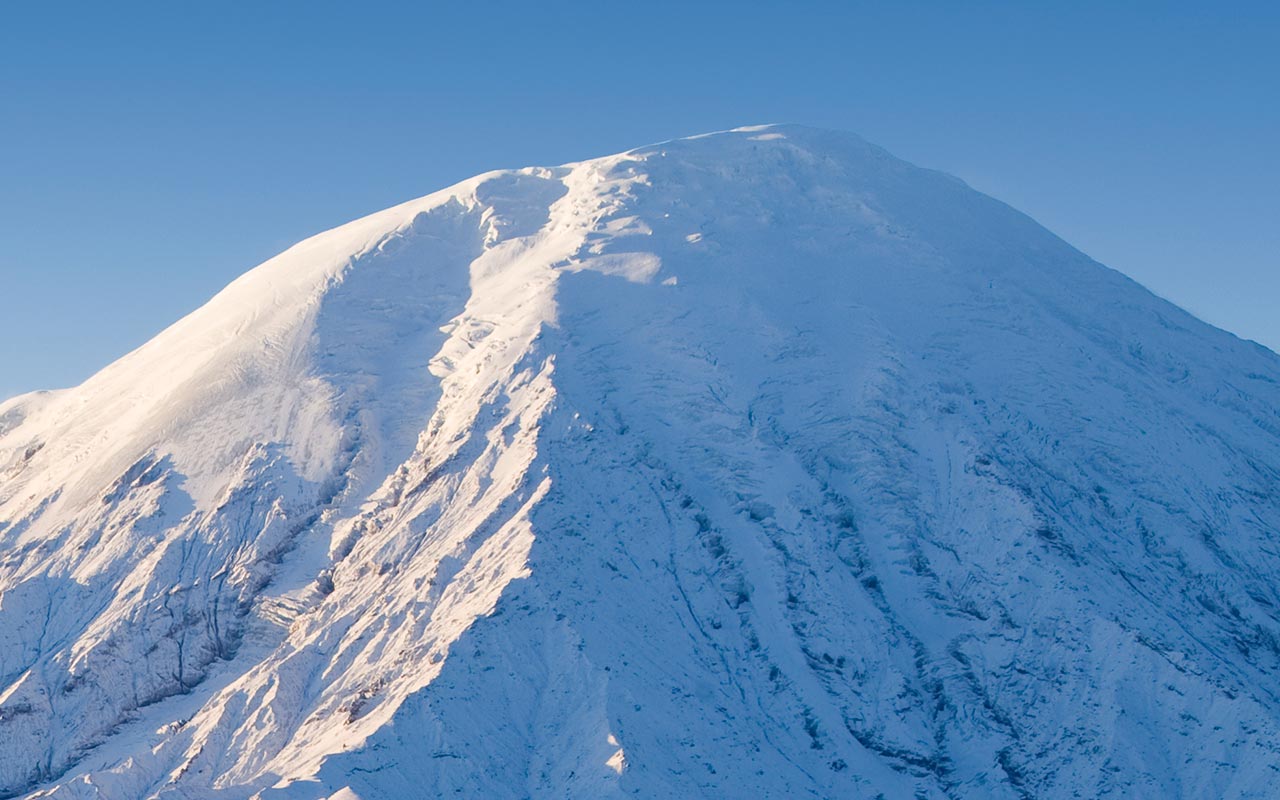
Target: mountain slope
[755,463]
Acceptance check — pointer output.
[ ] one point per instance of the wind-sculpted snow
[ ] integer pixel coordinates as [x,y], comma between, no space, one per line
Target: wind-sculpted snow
[760,464]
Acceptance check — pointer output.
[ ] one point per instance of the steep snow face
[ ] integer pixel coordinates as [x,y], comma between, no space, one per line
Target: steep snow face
[755,463]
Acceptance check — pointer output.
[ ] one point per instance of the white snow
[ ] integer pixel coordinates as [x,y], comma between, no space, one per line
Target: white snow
[754,464]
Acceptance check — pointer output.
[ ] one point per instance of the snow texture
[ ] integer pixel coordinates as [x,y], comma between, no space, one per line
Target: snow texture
[757,464]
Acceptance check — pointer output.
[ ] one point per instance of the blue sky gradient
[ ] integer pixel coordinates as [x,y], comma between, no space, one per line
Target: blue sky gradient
[151,152]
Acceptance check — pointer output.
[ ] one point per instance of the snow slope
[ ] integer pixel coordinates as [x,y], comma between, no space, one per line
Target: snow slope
[758,464]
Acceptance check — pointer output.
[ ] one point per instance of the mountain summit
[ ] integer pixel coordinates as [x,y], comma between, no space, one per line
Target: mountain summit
[756,464]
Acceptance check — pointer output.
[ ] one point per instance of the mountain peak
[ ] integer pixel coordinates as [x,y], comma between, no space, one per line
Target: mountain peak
[755,459]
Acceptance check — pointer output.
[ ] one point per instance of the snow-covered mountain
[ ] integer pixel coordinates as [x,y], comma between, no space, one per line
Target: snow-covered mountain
[758,464]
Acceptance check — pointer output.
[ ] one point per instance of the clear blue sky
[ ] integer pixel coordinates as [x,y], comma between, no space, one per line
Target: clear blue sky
[149,153]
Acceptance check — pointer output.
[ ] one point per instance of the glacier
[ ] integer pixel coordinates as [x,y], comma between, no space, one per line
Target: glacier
[754,464]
